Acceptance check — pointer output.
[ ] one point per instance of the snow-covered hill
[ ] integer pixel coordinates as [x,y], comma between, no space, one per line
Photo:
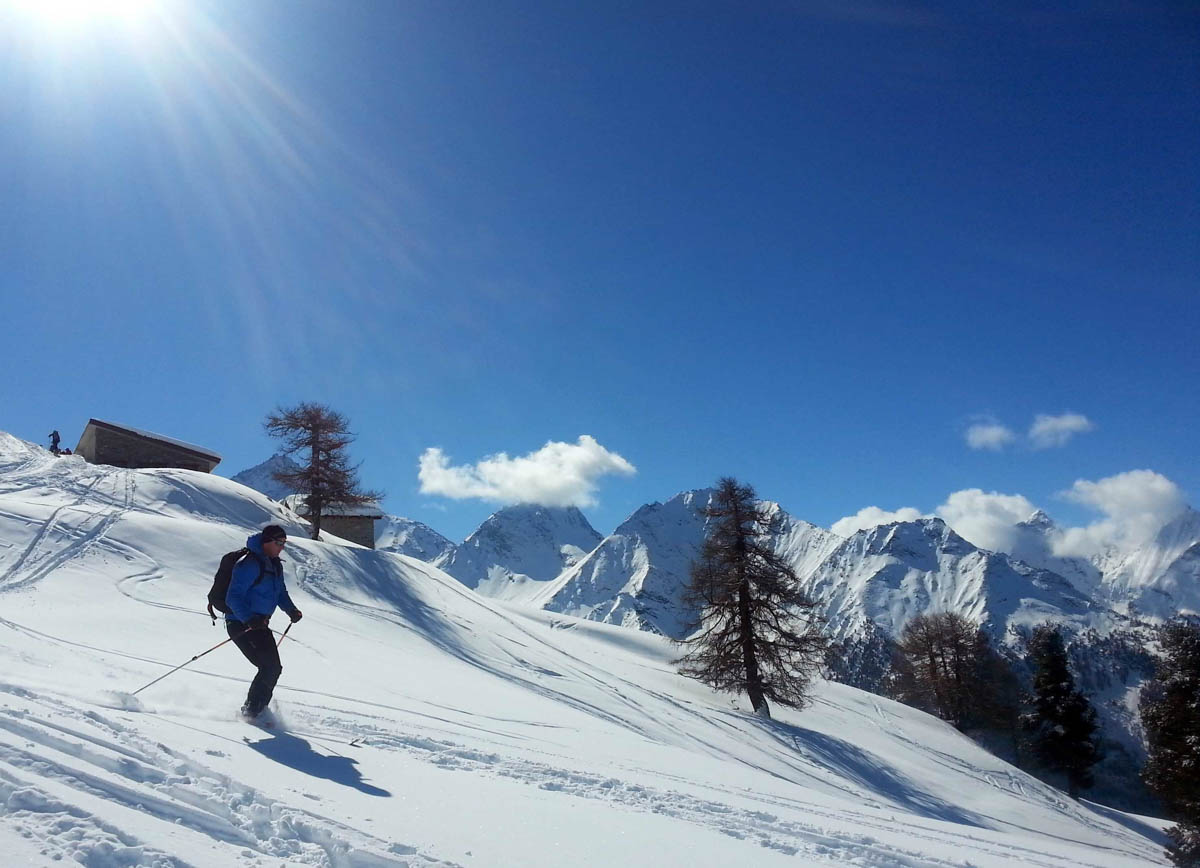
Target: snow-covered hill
[423,724]
[261,477]
[519,549]
[404,536]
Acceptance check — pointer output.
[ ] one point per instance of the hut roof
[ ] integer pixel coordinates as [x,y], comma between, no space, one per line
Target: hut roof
[295,502]
[161,438]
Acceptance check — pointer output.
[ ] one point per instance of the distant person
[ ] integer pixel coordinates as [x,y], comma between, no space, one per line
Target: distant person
[255,590]
[54,438]
[67,451]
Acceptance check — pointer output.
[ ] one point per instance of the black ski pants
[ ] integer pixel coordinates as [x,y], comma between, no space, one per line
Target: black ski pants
[259,648]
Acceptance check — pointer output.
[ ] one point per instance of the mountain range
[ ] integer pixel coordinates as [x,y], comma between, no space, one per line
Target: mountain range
[872,582]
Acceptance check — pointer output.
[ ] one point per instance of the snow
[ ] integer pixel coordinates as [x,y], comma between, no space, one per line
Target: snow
[420,724]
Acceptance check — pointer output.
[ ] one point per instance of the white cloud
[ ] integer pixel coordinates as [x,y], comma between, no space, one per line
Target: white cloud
[872,516]
[986,519]
[558,474]
[989,435]
[1050,431]
[1135,504]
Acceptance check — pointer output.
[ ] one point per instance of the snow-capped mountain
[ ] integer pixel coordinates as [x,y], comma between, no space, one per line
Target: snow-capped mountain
[1160,578]
[520,548]
[261,477]
[1034,544]
[891,573]
[886,575]
[637,575]
[408,537]
[1155,580]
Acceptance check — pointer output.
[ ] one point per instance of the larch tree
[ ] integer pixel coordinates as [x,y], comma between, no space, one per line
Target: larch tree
[946,665]
[755,630]
[318,437]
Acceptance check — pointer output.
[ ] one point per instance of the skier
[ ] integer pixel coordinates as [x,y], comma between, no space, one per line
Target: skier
[255,589]
[54,438]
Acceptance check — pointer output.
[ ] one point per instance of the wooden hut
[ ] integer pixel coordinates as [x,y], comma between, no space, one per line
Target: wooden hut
[355,523]
[122,446]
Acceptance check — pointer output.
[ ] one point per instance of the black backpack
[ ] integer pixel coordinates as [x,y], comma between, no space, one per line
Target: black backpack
[220,585]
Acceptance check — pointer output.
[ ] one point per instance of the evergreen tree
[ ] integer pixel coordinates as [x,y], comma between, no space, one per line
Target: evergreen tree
[1062,723]
[756,631]
[1170,709]
[326,479]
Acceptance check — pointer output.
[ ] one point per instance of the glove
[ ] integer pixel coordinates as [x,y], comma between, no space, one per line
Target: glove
[259,622]
[296,615]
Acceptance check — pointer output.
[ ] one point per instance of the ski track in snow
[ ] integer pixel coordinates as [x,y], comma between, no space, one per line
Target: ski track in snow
[55,767]
[41,556]
[812,840]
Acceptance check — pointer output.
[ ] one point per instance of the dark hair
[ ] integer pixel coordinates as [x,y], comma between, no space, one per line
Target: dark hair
[273,532]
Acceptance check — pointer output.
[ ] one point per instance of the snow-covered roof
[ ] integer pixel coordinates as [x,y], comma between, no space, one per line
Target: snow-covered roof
[295,502]
[150,435]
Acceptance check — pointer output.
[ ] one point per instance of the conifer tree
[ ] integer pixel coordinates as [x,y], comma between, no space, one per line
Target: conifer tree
[1170,709]
[755,631]
[1062,723]
[326,479]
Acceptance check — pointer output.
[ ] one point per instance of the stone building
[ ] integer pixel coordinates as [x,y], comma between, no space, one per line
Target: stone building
[354,523]
[122,446]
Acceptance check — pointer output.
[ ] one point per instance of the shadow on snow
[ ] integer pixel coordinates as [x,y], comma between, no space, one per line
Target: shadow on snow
[294,752]
[867,771]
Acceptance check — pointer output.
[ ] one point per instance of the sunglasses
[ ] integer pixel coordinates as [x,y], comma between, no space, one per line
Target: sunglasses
[278,542]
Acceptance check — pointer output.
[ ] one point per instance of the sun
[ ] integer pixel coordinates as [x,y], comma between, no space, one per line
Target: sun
[75,14]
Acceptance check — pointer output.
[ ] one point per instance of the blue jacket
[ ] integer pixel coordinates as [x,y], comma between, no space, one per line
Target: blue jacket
[247,598]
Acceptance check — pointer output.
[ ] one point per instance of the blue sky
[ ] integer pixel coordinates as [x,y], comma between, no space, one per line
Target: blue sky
[807,244]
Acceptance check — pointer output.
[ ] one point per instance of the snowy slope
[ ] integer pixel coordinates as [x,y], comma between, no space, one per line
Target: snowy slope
[519,549]
[261,477]
[404,536]
[422,724]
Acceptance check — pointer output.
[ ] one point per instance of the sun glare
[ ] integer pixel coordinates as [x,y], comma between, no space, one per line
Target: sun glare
[74,14]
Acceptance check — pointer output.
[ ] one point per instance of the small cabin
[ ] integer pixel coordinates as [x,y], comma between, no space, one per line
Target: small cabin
[122,446]
[355,523]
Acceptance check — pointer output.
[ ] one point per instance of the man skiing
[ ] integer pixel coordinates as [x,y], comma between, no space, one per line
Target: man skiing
[255,589]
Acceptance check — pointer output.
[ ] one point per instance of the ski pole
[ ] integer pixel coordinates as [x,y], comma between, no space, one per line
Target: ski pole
[285,632]
[186,662]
